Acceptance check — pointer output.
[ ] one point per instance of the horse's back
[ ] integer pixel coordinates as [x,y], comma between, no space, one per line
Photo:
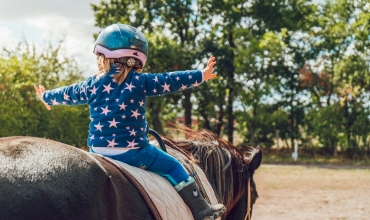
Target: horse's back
[44,179]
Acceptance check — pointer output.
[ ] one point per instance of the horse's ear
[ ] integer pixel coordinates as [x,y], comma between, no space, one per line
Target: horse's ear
[256,161]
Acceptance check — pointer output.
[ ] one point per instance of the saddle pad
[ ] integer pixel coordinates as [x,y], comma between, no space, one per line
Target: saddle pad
[164,196]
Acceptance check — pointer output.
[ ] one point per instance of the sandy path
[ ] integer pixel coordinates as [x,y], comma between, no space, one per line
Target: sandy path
[299,192]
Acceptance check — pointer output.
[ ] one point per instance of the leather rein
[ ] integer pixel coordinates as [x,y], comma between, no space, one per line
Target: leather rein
[249,199]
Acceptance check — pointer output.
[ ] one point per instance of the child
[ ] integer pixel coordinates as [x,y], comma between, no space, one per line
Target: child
[116,97]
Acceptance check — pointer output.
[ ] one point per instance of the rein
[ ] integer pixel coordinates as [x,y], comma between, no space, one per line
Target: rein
[248,214]
[249,199]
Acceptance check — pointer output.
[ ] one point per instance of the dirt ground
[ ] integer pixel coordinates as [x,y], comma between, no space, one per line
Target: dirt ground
[320,193]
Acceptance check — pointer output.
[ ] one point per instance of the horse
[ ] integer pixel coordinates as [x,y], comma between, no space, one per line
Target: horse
[46,179]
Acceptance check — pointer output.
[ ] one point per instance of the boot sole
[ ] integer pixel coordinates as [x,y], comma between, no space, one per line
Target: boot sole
[216,214]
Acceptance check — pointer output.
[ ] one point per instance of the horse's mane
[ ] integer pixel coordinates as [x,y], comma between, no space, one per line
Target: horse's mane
[221,161]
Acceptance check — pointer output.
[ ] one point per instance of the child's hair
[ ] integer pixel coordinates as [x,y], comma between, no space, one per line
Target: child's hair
[104,67]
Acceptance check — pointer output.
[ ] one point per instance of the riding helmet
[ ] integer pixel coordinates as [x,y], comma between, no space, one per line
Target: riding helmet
[124,43]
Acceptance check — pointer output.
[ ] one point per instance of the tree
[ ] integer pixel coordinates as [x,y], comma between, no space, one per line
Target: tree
[22,112]
[339,79]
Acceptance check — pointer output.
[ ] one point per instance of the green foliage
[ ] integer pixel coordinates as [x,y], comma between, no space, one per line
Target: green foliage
[22,112]
[286,70]
[299,70]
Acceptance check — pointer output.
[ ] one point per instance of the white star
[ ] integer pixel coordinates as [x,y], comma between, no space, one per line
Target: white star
[105,110]
[123,116]
[129,87]
[66,97]
[155,79]
[64,103]
[166,87]
[113,135]
[82,89]
[154,90]
[55,102]
[133,132]
[93,90]
[91,118]
[132,101]
[92,137]
[196,84]
[183,86]
[98,126]
[117,100]
[141,103]
[143,117]
[107,88]
[177,78]
[95,109]
[106,99]
[74,101]
[111,143]
[128,128]
[82,98]
[122,106]
[131,144]
[101,138]
[137,77]
[190,77]
[135,113]
[113,123]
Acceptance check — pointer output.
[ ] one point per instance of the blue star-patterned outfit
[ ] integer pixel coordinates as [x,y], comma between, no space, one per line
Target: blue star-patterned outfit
[118,127]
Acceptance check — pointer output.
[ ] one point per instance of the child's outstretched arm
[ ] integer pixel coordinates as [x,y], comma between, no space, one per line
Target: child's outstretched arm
[75,94]
[165,83]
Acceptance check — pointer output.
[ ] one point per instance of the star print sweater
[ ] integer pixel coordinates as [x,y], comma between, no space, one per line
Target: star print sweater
[117,111]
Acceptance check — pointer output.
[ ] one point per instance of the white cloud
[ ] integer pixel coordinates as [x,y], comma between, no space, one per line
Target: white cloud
[41,21]
[76,33]
[6,37]
[21,9]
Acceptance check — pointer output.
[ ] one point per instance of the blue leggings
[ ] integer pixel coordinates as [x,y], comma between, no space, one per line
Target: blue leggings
[155,160]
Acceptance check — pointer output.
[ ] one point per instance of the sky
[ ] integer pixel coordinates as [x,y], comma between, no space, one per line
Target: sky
[41,21]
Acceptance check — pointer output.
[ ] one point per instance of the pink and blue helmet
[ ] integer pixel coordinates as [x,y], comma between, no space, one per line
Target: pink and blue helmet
[122,41]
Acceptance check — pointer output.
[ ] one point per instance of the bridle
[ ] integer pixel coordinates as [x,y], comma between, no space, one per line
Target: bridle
[249,199]
[248,214]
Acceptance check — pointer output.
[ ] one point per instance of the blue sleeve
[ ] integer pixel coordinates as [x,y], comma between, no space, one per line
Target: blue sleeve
[74,94]
[165,83]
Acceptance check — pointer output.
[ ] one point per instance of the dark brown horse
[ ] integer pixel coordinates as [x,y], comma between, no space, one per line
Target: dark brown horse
[44,179]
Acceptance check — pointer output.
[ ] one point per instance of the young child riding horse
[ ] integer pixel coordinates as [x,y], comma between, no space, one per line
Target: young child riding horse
[116,97]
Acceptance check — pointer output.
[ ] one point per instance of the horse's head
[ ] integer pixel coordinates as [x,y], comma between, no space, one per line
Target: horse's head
[227,170]
[243,208]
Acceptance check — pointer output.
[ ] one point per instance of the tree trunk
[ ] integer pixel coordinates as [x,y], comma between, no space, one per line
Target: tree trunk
[220,121]
[187,106]
[230,87]
[253,126]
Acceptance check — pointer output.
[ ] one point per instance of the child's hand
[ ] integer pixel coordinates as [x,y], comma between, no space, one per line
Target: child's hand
[40,90]
[207,72]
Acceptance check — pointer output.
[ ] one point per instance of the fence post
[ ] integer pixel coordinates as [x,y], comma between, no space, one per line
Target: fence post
[295,153]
